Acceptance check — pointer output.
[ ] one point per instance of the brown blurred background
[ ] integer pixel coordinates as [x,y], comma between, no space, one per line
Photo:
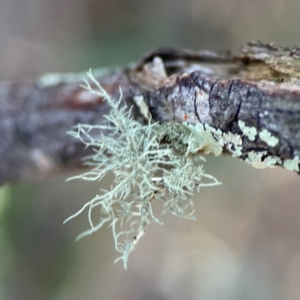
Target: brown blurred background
[245,243]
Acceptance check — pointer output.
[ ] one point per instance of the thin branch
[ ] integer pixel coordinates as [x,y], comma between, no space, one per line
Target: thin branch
[255,95]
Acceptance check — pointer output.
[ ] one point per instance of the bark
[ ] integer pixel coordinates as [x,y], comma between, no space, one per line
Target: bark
[260,86]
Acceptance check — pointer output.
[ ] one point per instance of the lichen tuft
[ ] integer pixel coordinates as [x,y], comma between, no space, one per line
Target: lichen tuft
[152,162]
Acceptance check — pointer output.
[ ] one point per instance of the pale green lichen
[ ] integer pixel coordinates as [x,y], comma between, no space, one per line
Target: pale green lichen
[260,160]
[292,164]
[203,140]
[268,138]
[248,131]
[209,140]
[232,142]
[150,162]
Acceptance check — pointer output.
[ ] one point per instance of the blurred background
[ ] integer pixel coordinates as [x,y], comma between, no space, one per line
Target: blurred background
[245,243]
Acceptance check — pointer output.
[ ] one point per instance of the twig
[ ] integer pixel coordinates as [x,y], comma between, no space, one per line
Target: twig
[254,96]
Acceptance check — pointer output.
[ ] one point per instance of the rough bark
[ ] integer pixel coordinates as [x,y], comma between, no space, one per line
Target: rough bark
[260,86]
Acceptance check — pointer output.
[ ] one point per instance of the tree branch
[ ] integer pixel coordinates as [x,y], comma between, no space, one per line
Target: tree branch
[254,96]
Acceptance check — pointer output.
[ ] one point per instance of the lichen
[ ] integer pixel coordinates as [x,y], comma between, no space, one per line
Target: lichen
[152,162]
[248,131]
[268,138]
[260,160]
[203,140]
[209,140]
[292,164]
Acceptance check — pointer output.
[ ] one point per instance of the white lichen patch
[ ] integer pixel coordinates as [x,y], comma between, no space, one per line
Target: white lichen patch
[268,138]
[249,132]
[233,142]
[209,140]
[257,161]
[202,140]
[292,164]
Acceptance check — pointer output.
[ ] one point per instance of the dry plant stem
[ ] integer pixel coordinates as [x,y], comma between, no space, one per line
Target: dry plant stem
[259,87]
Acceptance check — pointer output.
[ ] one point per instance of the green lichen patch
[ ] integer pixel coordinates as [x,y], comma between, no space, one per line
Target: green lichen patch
[249,132]
[209,140]
[202,139]
[268,138]
[260,160]
[292,164]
